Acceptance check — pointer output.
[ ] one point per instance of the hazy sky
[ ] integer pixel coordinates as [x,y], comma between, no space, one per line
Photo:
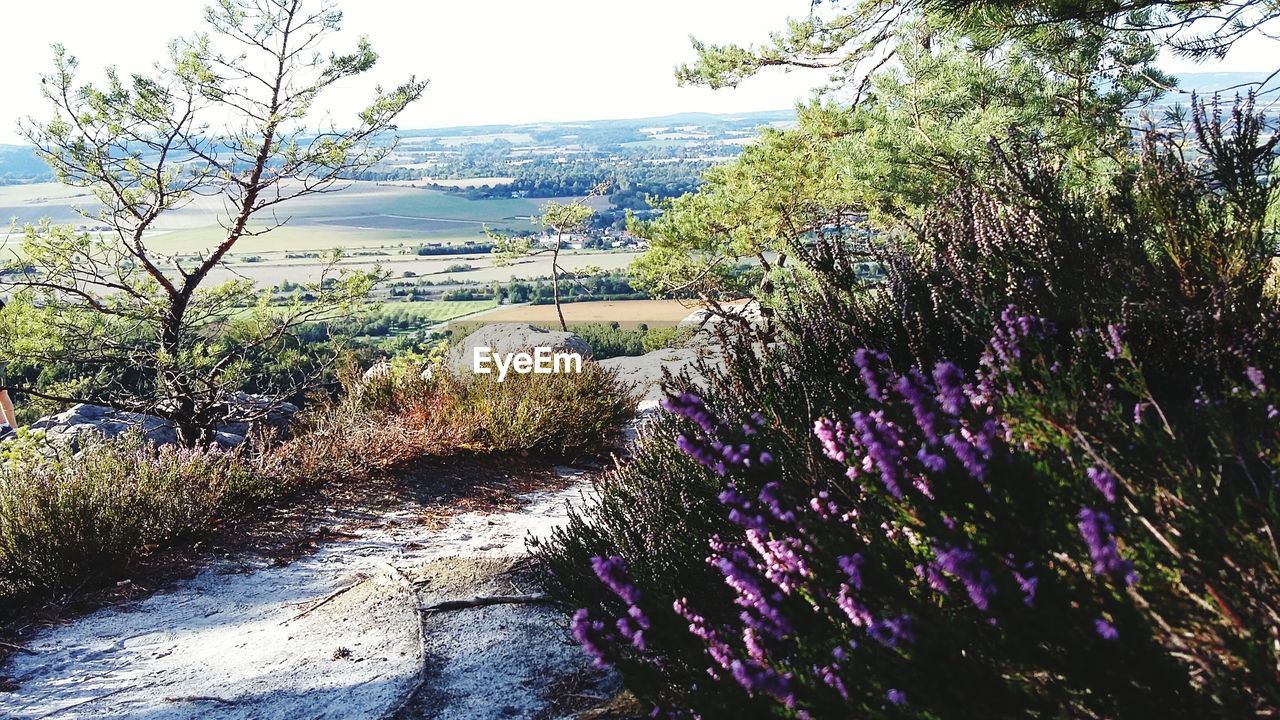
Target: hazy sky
[489,61]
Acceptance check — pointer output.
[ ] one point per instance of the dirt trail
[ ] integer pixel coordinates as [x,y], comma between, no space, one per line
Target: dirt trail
[335,634]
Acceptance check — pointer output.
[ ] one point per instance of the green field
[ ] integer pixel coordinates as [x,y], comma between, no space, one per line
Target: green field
[439,310]
[362,215]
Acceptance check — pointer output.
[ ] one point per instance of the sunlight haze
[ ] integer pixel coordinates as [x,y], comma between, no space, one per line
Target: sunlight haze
[561,60]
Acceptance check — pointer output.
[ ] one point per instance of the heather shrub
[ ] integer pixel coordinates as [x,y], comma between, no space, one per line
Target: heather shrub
[1031,475]
[69,520]
[396,417]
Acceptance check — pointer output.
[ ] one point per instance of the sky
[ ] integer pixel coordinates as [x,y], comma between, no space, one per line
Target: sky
[488,61]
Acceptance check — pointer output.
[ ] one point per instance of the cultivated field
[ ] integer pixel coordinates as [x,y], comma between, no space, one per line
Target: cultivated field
[627,313]
[365,214]
[273,270]
[439,310]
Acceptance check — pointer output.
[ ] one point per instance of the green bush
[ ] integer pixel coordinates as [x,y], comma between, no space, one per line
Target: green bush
[611,340]
[556,414]
[70,520]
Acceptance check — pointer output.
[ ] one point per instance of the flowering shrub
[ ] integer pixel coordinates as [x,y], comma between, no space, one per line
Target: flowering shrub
[67,520]
[1000,486]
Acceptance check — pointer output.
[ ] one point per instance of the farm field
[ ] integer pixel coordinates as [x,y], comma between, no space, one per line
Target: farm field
[627,313]
[275,271]
[364,214]
[378,224]
[437,310]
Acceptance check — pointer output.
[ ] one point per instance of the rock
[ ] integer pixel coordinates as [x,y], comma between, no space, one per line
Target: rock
[512,338]
[72,426]
[644,372]
[379,370]
[274,415]
[704,320]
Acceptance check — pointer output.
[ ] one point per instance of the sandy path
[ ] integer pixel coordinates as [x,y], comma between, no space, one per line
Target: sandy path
[336,634]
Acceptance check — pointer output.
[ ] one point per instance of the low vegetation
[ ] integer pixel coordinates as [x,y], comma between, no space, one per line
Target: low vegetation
[612,340]
[72,521]
[396,417]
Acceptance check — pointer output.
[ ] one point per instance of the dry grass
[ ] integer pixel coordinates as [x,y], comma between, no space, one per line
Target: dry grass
[388,421]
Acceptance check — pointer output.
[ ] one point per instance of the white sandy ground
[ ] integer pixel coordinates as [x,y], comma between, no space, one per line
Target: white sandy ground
[337,634]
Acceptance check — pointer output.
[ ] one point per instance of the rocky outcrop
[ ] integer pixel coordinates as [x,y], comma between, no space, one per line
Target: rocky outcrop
[513,338]
[81,421]
[704,321]
[643,373]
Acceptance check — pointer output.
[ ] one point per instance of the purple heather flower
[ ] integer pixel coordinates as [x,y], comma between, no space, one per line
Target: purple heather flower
[631,633]
[784,560]
[1028,587]
[692,407]
[896,697]
[757,678]
[590,635]
[1115,341]
[1255,377]
[949,379]
[701,453]
[834,438]
[968,455]
[931,461]
[857,613]
[963,565]
[741,574]
[882,443]
[1106,630]
[893,631]
[742,511]
[770,497]
[1104,481]
[913,388]
[933,577]
[868,363]
[852,567]
[831,678]
[716,648]
[1099,536]
[612,571]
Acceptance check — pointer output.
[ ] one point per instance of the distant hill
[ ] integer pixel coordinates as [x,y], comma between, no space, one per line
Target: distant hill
[1225,84]
[18,164]
[701,120]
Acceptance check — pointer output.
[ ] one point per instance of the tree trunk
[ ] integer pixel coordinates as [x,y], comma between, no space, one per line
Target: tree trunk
[555,284]
[182,411]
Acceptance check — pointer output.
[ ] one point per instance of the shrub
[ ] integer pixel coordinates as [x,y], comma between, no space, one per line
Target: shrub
[923,502]
[611,340]
[397,417]
[68,520]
